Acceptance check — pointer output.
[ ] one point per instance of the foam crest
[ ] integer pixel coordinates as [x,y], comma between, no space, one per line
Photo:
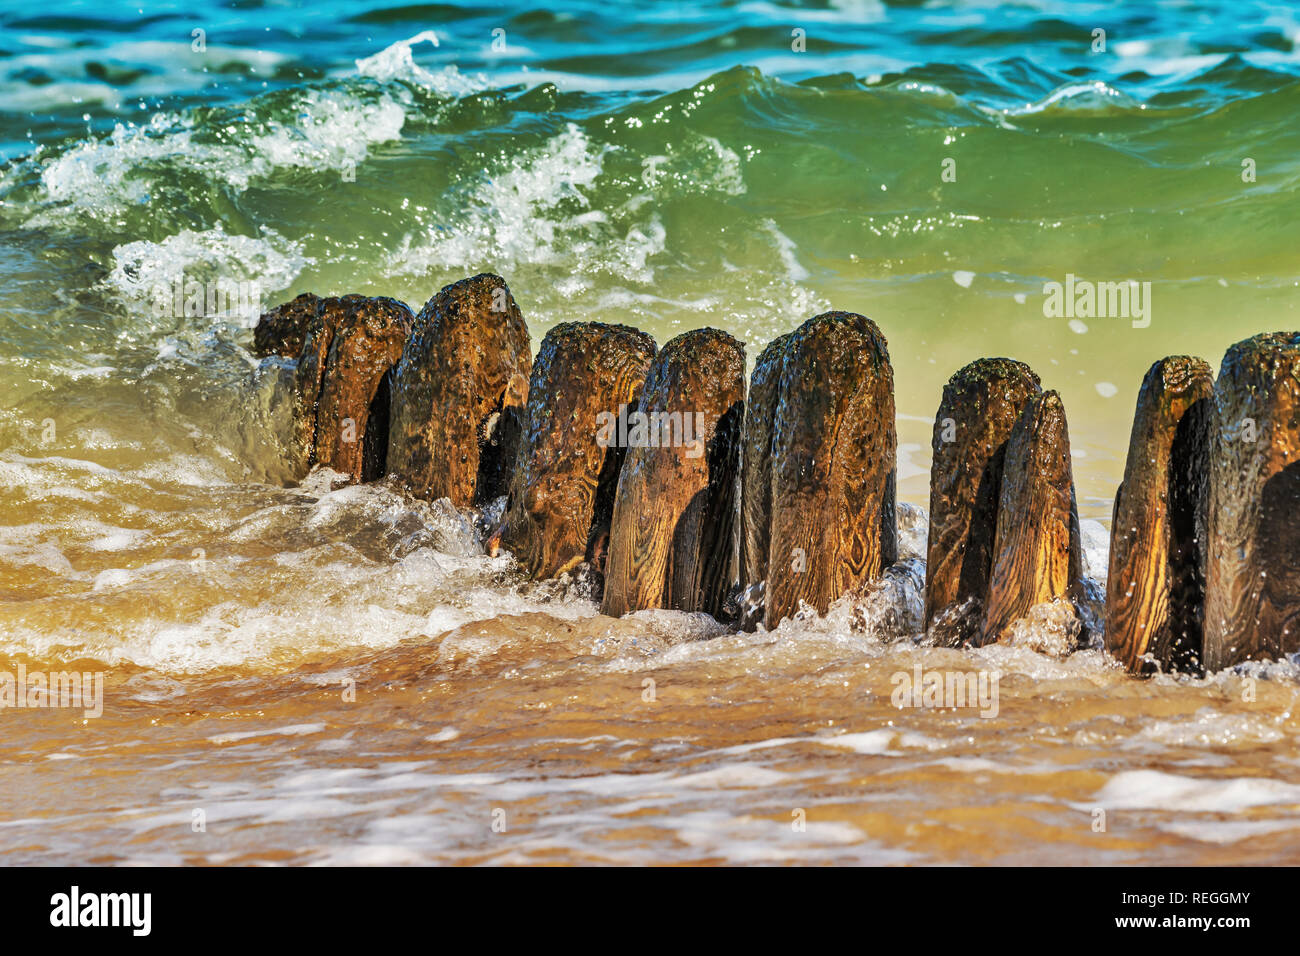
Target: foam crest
[317,129]
[1079,98]
[209,274]
[535,209]
[397,63]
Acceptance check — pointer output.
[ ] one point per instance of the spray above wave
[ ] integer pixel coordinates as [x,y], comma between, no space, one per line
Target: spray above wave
[539,207]
[210,274]
[101,180]
[397,62]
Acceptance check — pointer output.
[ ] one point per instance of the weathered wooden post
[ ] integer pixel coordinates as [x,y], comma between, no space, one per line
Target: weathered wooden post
[1252,587]
[833,449]
[352,417]
[459,393]
[561,495]
[1155,586]
[1036,545]
[756,475]
[282,330]
[674,528]
[346,349]
[980,406]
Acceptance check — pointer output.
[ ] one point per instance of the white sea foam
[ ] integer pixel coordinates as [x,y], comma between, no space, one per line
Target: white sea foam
[41,555]
[543,207]
[837,11]
[333,130]
[1222,832]
[536,209]
[1157,790]
[1212,728]
[146,276]
[907,464]
[873,742]
[1095,547]
[102,178]
[363,566]
[732,776]
[294,730]
[702,164]
[427,575]
[787,250]
[397,62]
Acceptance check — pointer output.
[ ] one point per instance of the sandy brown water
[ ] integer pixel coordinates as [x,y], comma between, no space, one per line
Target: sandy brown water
[343,677]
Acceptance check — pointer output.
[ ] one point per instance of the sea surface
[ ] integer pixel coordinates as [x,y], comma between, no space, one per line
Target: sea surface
[300,674]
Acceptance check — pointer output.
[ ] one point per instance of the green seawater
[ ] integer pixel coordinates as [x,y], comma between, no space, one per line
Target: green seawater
[670,167]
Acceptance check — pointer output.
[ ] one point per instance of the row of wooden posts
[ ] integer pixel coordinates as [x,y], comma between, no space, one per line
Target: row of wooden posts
[784,493]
